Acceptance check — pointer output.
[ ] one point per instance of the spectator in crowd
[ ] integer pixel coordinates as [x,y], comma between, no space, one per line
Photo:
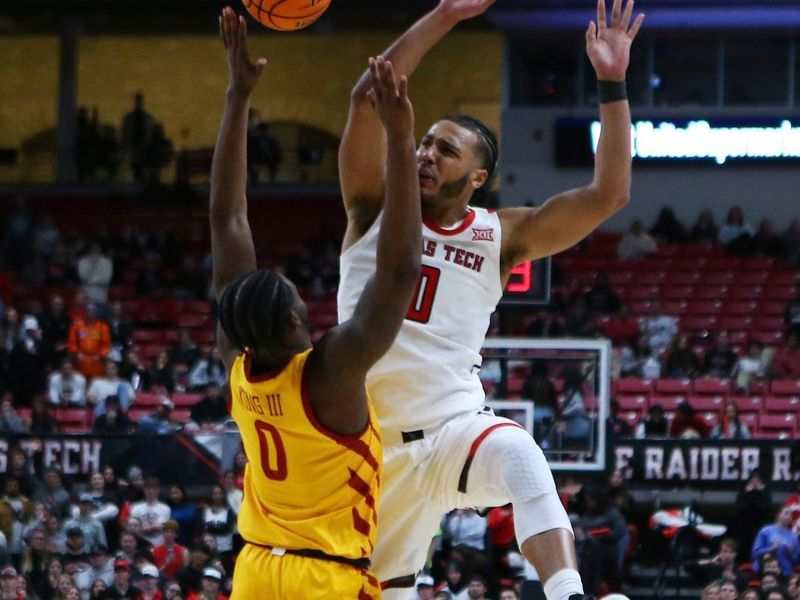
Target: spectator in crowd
[128,543]
[121,331]
[682,362]
[601,540]
[121,587]
[456,583]
[114,421]
[546,324]
[10,421]
[623,328]
[687,423]
[263,150]
[233,495]
[41,419]
[766,241]
[736,234]
[161,375]
[55,324]
[769,582]
[720,567]
[15,511]
[106,506]
[617,426]
[786,361]
[109,385]
[579,323]
[206,371]
[66,386]
[791,312]
[74,557]
[668,228]
[209,586]
[185,513]
[704,230]
[53,495]
[636,244]
[27,364]
[477,587]
[793,586]
[172,591]
[159,154]
[711,591]
[539,389]
[500,535]
[220,520]
[635,360]
[601,298]
[620,497]
[93,531]
[10,330]
[771,564]
[754,365]
[720,361]
[571,420]
[654,425]
[159,422]
[659,327]
[149,587]
[152,512]
[170,556]
[793,502]
[780,540]
[35,558]
[137,127]
[89,343]
[133,369]
[791,243]
[212,409]
[95,271]
[466,527]
[425,585]
[19,466]
[728,591]
[731,426]
[186,352]
[189,577]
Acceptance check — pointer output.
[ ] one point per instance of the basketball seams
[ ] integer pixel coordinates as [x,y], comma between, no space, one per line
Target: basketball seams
[257,11]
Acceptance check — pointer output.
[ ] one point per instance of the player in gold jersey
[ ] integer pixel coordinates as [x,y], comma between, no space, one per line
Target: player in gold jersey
[313,444]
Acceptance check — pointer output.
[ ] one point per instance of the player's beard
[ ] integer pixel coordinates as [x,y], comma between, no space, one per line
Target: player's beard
[447,191]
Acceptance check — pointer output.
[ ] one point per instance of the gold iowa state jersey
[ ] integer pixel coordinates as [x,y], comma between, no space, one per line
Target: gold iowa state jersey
[305,488]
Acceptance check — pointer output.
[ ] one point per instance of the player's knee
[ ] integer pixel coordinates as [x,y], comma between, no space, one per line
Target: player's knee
[540,514]
[520,463]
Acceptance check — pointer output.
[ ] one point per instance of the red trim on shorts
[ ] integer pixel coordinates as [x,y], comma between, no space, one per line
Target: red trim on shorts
[462,480]
[468,220]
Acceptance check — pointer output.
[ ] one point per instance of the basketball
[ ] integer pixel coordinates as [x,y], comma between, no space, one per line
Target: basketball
[286,15]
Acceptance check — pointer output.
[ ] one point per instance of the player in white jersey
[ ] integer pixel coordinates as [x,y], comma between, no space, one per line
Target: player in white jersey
[441,449]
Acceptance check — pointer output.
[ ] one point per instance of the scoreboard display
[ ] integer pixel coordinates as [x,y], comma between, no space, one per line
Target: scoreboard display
[529,284]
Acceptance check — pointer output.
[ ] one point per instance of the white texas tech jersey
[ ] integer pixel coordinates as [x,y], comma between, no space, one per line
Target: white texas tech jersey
[430,374]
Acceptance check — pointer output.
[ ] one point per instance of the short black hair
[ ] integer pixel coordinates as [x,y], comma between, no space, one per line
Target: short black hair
[255,309]
[488,149]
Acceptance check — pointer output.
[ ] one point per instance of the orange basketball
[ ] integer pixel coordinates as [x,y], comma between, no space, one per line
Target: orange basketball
[286,15]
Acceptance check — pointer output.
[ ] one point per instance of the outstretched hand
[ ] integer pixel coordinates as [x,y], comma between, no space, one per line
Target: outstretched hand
[244,72]
[609,46]
[461,10]
[389,99]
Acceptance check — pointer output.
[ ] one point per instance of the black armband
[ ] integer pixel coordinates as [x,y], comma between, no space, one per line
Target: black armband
[611,91]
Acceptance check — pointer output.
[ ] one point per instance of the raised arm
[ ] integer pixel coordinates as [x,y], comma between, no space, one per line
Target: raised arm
[362,153]
[565,219]
[232,250]
[339,366]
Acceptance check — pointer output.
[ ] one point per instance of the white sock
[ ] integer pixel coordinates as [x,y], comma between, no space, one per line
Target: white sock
[563,584]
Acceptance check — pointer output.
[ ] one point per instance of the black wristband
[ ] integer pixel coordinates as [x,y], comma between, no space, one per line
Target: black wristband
[611,91]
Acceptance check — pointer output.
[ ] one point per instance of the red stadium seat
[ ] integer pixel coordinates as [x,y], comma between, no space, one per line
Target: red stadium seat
[631,418]
[674,307]
[778,292]
[745,292]
[711,418]
[750,419]
[186,399]
[181,415]
[642,292]
[756,278]
[193,321]
[200,308]
[699,324]
[739,307]
[748,403]
[719,278]
[620,277]
[738,338]
[785,423]
[711,386]
[704,307]
[758,263]
[680,387]
[782,404]
[781,387]
[171,337]
[137,413]
[72,415]
[708,403]
[145,399]
[758,388]
[514,384]
[722,264]
[784,277]
[677,292]
[768,338]
[710,292]
[634,386]
[637,403]
[640,307]
[771,307]
[650,277]
[684,278]
[768,322]
[668,403]
[147,336]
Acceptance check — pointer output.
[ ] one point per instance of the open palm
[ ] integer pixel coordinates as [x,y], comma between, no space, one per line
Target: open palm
[609,45]
[244,72]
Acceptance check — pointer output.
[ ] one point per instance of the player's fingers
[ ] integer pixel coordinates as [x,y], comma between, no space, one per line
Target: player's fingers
[626,16]
[403,88]
[616,13]
[375,79]
[601,15]
[637,24]
[391,85]
[591,33]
